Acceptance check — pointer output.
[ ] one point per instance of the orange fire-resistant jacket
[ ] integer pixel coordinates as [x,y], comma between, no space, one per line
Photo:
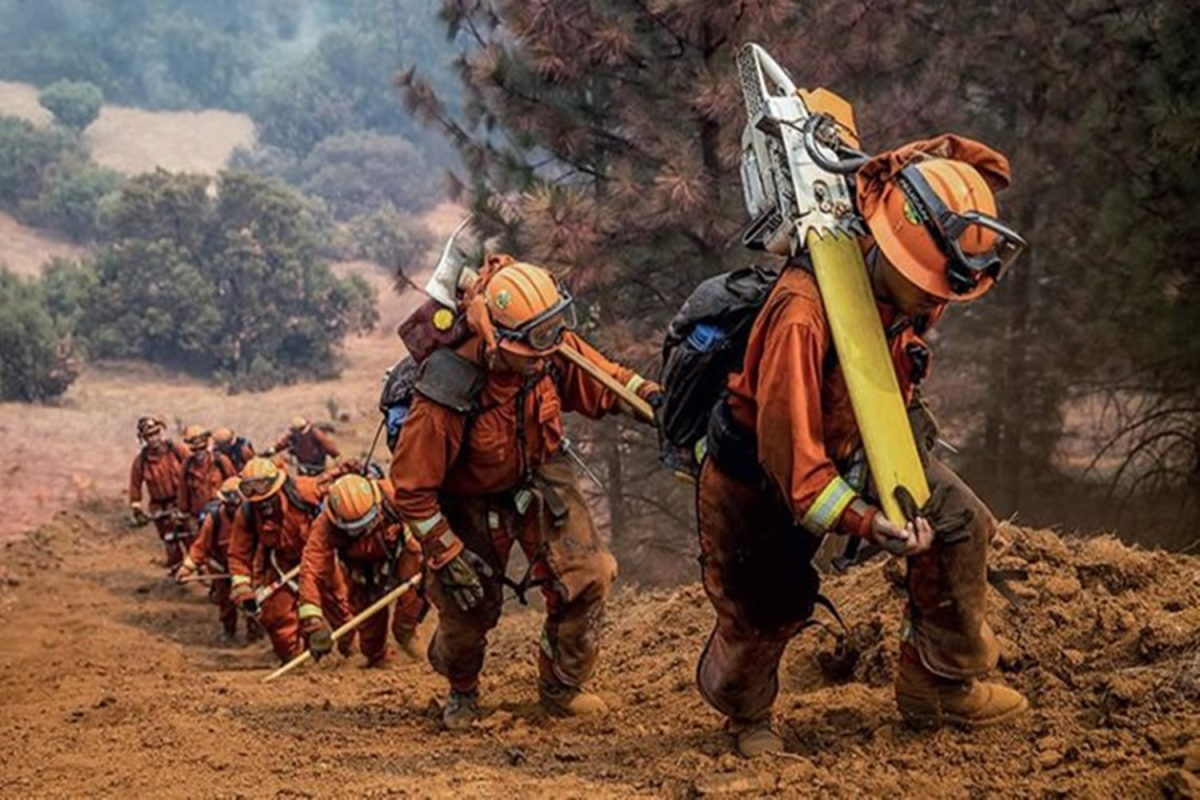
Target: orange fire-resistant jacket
[362,555]
[310,447]
[792,394]
[159,471]
[432,456]
[212,540]
[200,478]
[256,534]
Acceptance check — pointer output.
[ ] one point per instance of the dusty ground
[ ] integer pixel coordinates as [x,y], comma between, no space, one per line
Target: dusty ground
[115,683]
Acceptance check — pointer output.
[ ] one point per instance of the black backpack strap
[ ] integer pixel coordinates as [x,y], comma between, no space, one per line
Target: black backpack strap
[448,379]
[293,495]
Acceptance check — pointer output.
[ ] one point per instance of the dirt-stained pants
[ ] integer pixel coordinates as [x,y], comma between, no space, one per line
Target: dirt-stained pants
[279,613]
[757,574]
[407,611]
[169,530]
[218,595]
[572,564]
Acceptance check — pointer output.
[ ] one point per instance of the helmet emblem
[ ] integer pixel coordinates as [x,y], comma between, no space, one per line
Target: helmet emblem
[503,299]
[910,214]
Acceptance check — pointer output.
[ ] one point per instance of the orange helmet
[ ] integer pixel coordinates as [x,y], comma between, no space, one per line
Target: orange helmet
[231,491]
[936,224]
[196,436]
[529,308]
[298,424]
[353,503]
[222,435]
[261,479]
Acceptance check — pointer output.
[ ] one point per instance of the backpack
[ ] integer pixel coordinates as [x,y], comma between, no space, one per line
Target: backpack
[705,343]
[395,401]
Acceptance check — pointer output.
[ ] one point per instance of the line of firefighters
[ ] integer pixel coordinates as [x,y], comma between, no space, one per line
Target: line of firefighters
[479,467]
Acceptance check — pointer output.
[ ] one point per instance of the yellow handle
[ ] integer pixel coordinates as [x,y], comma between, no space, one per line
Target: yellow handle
[870,374]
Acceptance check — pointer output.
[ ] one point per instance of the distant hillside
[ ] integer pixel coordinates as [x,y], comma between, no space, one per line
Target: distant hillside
[133,140]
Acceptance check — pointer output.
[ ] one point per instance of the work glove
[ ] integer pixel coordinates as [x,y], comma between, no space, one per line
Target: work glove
[913,539]
[138,515]
[186,568]
[948,527]
[460,577]
[242,595]
[318,635]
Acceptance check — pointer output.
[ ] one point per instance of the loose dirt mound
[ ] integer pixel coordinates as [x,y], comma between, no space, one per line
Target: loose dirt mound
[114,682]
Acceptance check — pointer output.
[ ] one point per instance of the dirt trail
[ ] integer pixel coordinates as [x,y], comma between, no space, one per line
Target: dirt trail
[115,683]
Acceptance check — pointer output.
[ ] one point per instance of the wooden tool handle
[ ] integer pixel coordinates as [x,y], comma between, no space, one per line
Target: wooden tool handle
[640,407]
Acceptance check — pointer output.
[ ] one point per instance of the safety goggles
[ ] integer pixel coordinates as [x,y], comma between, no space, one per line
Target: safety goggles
[545,331]
[359,526]
[948,229]
[257,490]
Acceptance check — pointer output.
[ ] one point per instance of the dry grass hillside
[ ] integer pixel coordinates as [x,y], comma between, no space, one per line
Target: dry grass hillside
[133,141]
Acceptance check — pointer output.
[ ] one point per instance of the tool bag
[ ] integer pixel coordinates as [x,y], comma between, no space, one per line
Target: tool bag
[705,343]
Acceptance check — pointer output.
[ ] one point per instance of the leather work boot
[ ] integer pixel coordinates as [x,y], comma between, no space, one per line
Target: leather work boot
[567,701]
[929,700]
[410,644]
[461,710]
[753,739]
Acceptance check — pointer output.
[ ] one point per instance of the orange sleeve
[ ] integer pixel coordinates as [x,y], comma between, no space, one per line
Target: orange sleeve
[429,445]
[326,443]
[283,444]
[581,392]
[136,476]
[202,547]
[316,563]
[241,548]
[225,466]
[182,492]
[790,428]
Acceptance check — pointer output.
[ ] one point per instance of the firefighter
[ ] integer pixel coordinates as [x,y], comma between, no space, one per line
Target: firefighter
[266,542]
[202,473]
[237,449]
[210,552]
[782,445]
[361,528]
[157,465]
[309,445]
[479,467]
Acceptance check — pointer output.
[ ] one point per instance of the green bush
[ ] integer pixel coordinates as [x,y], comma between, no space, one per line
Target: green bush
[390,238]
[357,173]
[71,201]
[226,283]
[74,104]
[36,358]
[27,157]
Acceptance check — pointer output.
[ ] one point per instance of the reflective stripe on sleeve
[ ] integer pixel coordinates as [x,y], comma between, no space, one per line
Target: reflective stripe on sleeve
[238,580]
[422,527]
[635,383]
[823,514]
[308,611]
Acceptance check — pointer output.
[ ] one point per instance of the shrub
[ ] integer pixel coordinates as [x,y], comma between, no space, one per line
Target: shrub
[36,359]
[74,104]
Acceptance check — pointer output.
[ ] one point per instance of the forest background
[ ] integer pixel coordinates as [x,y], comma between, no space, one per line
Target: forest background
[601,138]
